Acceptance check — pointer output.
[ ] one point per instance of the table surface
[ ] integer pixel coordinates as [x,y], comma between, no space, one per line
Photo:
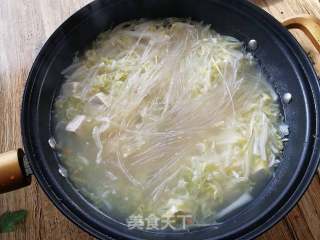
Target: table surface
[25,25]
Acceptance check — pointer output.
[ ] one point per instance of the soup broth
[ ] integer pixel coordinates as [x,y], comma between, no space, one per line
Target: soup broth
[167,118]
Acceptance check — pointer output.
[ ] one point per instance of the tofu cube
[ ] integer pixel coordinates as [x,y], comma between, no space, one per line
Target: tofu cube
[75,124]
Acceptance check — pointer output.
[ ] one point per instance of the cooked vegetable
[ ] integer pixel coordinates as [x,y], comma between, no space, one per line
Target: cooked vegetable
[165,117]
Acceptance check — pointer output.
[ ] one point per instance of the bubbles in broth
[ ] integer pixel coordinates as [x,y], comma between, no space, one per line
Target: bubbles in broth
[167,119]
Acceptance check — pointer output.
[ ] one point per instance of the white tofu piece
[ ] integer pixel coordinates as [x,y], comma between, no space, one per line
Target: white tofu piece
[99,99]
[75,124]
[284,130]
[70,87]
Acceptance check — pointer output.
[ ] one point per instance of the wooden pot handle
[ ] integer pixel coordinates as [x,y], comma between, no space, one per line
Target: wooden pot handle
[310,25]
[14,173]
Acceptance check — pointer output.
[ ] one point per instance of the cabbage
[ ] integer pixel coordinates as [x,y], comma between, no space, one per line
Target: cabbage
[177,119]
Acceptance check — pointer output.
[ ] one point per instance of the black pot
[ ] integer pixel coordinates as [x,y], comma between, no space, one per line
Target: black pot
[288,69]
